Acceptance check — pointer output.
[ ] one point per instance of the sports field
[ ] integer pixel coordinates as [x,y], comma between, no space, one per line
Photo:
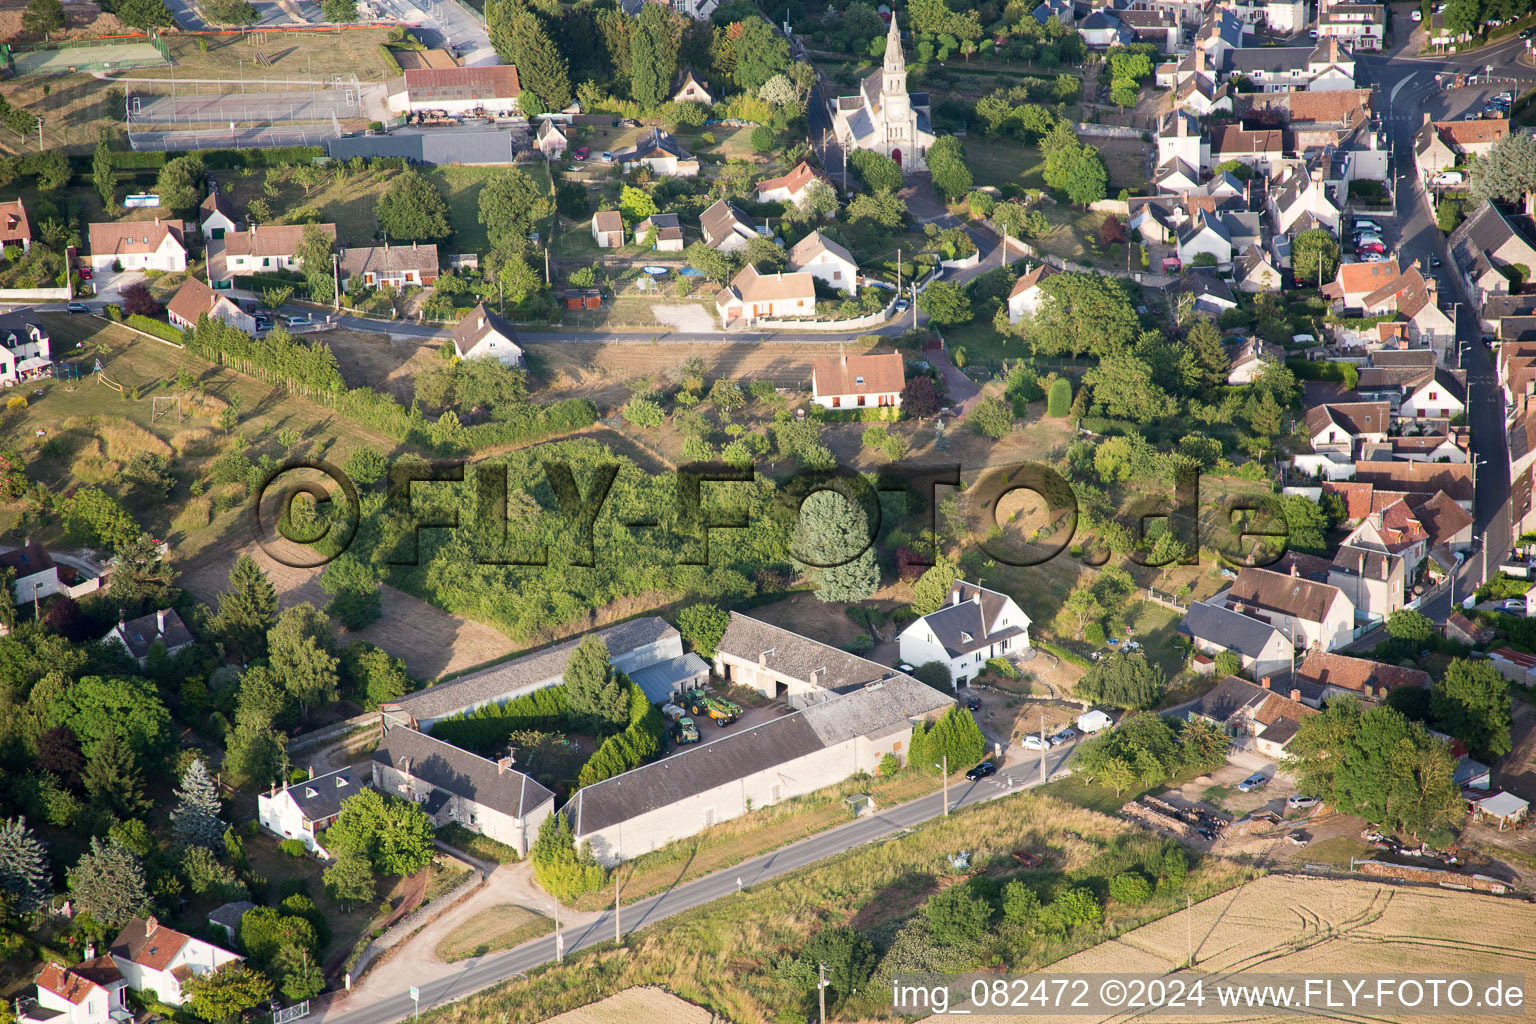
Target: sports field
[116,56]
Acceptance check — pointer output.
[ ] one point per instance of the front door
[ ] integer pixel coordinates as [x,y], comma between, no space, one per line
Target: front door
[896,155]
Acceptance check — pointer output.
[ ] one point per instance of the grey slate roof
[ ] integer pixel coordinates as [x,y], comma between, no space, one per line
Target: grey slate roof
[433,146]
[660,679]
[796,656]
[320,798]
[1232,630]
[954,622]
[1227,698]
[868,710]
[459,772]
[1272,59]
[504,680]
[141,633]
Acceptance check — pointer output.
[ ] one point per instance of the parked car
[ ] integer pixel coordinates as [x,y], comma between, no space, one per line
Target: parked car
[583,153]
[298,321]
[607,157]
[1297,802]
[1298,839]
[1514,607]
[973,704]
[902,305]
[1366,224]
[1435,263]
[86,273]
[1252,782]
[1033,742]
[1373,257]
[1065,736]
[78,307]
[981,771]
[1447,178]
[1370,247]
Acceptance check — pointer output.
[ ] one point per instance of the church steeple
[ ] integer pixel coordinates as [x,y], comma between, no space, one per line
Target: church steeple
[894,77]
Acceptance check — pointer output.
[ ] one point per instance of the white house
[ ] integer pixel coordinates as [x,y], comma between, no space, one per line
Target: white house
[1255,271]
[752,295]
[137,636]
[1338,426]
[158,959]
[1027,295]
[37,574]
[1205,236]
[1441,396]
[193,299]
[303,810]
[89,993]
[263,248]
[216,215]
[138,245]
[608,229]
[1300,191]
[793,187]
[551,141]
[975,625]
[1212,629]
[1247,359]
[493,88]
[455,786]
[398,266]
[26,350]
[726,227]
[1306,611]
[688,87]
[825,260]
[660,152]
[856,382]
[483,333]
[1180,138]
[668,231]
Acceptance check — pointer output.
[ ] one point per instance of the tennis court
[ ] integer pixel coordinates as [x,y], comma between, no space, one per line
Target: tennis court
[244,107]
[115,56]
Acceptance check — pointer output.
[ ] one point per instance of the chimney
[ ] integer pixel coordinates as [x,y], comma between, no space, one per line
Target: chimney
[415,245]
[1368,690]
[1295,695]
[976,599]
[150,924]
[503,766]
[954,596]
[1426,117]
[160,620]
[1264,682]
[1293,570]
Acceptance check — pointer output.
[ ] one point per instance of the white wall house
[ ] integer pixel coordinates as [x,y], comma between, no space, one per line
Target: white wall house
[26,350]
[1306,611]
[37,575]
[216,215]
[857,382]
[303,810]
[158,959]
[752,296]
[1261,648]
[826,261]
[90,993]
[975,625]
[494,88]
[194,299]
[1441,397]
[608,229]
[138,245]
[483,334]
[1026,296]
[265,248]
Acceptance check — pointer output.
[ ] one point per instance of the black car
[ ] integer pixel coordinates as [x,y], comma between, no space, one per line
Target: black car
[973,704]
[981,771]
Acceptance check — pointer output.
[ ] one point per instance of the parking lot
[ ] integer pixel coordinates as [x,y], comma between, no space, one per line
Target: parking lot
[1388,233]
[1467,103]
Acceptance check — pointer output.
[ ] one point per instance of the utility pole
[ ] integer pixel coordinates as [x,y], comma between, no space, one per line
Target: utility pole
[39,135]
[1042,746]
[821,991]
[617,935]
[1189,931]
[336,280]
[898,273]
[546,266]
[943,768]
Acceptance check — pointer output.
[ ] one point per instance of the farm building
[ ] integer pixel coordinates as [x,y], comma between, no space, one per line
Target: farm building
[456,90]
[632,646]
[700,786]
[453,785]
[665,679]
[787,666]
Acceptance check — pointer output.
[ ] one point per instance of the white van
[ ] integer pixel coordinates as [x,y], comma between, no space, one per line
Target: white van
[1447,178]
[1094,721]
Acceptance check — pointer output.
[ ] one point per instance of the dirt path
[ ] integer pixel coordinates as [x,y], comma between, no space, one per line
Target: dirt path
[429,640]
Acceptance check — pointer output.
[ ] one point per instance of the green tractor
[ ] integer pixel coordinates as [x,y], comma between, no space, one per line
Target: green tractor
[724,712]
[684,732]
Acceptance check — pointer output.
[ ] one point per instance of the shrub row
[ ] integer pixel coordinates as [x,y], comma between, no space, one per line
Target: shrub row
[159,328]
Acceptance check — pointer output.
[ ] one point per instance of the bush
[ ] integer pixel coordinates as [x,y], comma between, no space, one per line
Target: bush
[1130,887]
[890,764]
[159,328]
[1058,402]
[936,674]
[293,847]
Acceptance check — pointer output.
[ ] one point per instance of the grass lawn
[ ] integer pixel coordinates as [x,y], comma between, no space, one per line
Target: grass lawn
[477,846]
[1075,790]
[347,926]
[461,187]
[1003,162]
[492,930]
[293,55]
[1337,851]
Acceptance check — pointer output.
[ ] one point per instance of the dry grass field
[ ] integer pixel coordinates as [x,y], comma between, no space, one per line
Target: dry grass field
[493,929]
[1291,924]
[637,1005]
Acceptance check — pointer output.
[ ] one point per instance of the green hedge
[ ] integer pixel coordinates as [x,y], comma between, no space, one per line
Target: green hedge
[485,729]
[159,328]
[389,60]
[281,156]
[1062,653]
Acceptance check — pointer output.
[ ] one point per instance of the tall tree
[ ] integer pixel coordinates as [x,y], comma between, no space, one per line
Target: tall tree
[142,578]
[594,688]
[113,779]
[196,817]
[1083,313]
[1123,681]
[354,585]
[299,647]
[761,53]
[314,255]
[102,174]
[1471,702]
[247,609]
[946,163]
[931,591]
[1204,341]
[1314,257]
[226,992]
[181,179]
[108,883]
[831,544]
[519,37]
[1508,170]
[654,44]
[43,17]
[395,835]
[412,210]
[23,867]
[1123,383]
[511,203]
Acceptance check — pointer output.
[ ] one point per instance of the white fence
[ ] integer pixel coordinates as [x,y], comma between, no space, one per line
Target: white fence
[35,295]
[856,324]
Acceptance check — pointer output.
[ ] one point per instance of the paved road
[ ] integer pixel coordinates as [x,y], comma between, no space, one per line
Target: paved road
[444,23]
[469,976]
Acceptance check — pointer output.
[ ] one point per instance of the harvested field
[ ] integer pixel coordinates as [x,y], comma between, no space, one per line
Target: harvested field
[635,1005]
[382,362]
[1302,925]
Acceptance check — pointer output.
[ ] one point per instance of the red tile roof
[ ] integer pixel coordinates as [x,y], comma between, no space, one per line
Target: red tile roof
[1356,674]
[149,943]
[883,374]
[63,982]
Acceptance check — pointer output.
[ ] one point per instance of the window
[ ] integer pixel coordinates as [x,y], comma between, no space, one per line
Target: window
[837,275]
[860,380]
[861,400]
[836,402]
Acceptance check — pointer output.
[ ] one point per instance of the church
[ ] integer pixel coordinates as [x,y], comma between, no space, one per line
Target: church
[883,117]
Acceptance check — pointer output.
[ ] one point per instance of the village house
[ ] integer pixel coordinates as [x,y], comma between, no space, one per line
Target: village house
[1247,359]
[1337,427]
[1248,712]
[1210,293]
[216,215]
[461,90]
[138,245]
[1488,247]
[1321,676]
[137,636]
[1322,68]
[1415,392]
[454,786]
[1441,145]
[608,229]
[632,646]
[752,295]
[704,784]
[825,260]
[88,993]
[1027,296]
[264,248]
[37,574]
[1299,192]
[1425,478]
[1212,629]
[794,187]
[1356,282]
[302,810]
[1179,137]
[398,266]
[1102,28]
[26,348]
[854,382]
[550,140]
[1307,612]
[974,626]
[661,154]
[668,231]
[726,227]
[1361,26]
[784,665]
[15,229]
[483,333]
[1205,235]
[688,87]
[1254,271]
[1260,149]
[194,299]
[157,959]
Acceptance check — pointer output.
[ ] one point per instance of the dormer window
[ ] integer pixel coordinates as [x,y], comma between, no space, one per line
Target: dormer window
[860,380]
[309,793]
[341,783]
[965,637]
